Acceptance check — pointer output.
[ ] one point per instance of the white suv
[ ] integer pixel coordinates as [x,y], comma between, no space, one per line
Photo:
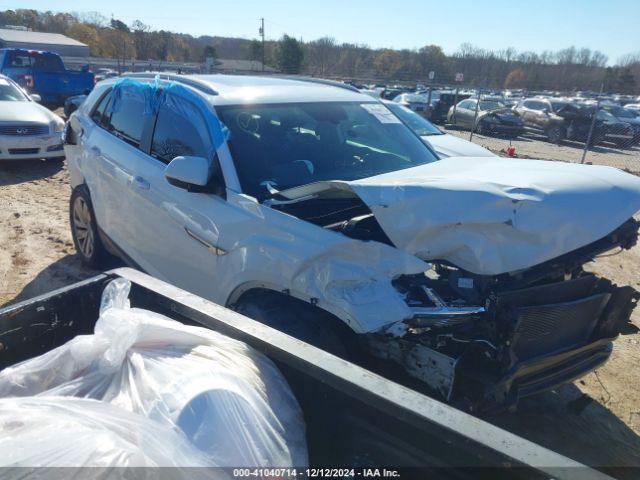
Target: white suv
[311,207]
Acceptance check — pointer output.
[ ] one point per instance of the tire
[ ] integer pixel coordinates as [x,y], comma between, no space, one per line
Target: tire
[555,134]
[481,129]
[300,320]
[84,229]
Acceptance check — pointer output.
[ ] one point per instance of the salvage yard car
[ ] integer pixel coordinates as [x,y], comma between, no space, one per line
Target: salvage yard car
[491,117]
[27,130]
[560,120]
[312,208]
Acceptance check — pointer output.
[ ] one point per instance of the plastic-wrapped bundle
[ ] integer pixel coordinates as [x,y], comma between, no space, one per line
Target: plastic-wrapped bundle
[229,400]
[77,432]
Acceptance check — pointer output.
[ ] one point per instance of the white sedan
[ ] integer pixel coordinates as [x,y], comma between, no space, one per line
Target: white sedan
[445,144]
[27,130]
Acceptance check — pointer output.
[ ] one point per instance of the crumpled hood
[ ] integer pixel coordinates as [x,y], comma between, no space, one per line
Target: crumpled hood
[452,146]
[494,215]
[24,112]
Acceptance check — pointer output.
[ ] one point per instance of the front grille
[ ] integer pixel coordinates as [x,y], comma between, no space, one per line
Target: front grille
[24,130]
[549,328]
[23,151]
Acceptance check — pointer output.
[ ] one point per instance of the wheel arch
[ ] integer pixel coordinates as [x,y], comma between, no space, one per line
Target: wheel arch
[247,289]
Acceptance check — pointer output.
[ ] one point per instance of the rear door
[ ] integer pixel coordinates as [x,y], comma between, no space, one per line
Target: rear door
[118,148]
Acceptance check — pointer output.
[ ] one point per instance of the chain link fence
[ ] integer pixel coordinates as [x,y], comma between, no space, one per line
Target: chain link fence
[595,129]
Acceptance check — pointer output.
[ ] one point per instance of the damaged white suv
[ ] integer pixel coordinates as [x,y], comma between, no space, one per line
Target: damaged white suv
[312,208]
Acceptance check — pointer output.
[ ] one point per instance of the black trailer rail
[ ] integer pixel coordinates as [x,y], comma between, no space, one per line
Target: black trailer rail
[354,417]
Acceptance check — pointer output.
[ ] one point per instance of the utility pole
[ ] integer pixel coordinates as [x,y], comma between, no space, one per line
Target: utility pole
[262,35]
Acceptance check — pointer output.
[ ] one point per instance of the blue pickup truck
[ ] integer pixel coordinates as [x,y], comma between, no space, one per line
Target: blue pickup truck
[44,73]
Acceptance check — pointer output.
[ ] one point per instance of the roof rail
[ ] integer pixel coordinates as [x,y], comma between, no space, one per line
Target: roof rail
[322,81]
[173,77]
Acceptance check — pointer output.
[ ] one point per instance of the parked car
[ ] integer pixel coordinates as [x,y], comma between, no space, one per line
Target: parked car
[626,116]
[634,108]
[44,73]
[621,134]
[559,119]
[492,117]
[27,130]
[414,101]
[71,104]
[310,207]
[445,100]
[445,144]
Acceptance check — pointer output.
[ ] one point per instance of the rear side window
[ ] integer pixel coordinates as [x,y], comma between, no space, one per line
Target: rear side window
[180,130]
[127,122]
[100,115]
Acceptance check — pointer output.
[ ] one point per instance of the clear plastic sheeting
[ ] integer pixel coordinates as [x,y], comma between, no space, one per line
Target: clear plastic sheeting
[76,432]
[229,400]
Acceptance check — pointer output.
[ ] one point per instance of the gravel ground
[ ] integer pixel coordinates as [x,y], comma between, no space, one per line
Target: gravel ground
[38,255]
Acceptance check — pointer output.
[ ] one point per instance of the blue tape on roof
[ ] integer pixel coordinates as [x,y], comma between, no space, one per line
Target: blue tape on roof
[157,94]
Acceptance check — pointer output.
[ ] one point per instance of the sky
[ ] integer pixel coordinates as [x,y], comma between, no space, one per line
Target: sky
[611,26]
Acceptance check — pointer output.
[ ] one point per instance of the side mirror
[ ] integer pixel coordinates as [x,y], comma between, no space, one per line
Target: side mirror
[190,173]
[545,110]
[36,98]
[84,68]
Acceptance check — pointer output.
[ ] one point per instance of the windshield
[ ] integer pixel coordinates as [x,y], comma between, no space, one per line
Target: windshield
[490,105]
[414,121]
[10,93]
[289,145]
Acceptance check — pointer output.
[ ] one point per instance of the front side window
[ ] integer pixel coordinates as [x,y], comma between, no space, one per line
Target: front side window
[127,121]
[180,131]
[290,145]
[10,93]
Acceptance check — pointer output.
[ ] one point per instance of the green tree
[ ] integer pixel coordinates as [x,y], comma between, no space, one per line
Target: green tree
[254,50]
[209,51]
[289,55]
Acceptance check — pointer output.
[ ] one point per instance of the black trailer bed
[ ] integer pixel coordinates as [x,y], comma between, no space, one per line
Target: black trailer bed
[354,417]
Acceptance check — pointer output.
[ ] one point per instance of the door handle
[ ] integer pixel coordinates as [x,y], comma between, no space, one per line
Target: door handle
[209,246]
[141,183]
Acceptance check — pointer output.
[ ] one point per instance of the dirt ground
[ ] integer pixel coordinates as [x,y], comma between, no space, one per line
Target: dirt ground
[37,255]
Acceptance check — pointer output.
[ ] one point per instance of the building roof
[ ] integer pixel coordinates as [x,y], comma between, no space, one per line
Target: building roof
[240,65]
[22,36]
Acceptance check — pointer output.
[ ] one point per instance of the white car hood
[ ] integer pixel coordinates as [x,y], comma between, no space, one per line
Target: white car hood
[24,112]
[494,215]
[452,146]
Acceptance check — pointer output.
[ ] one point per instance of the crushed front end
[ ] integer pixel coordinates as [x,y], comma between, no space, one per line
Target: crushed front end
[494,339]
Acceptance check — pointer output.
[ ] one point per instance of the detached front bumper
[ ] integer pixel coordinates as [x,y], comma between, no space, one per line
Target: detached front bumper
[31,147]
